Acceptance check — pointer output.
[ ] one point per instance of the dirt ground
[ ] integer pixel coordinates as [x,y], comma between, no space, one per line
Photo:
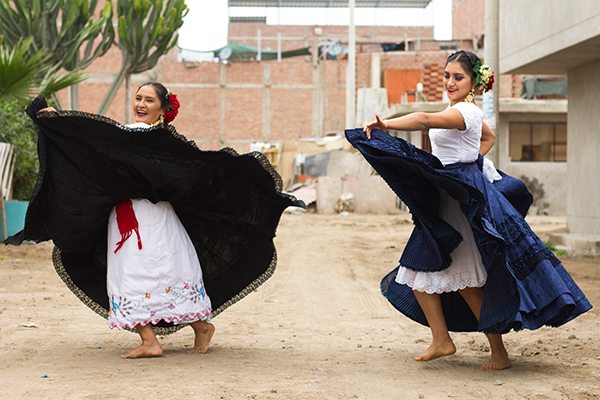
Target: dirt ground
[319,329]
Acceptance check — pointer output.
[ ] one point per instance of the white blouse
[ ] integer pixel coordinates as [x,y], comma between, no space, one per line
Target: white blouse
[453,145]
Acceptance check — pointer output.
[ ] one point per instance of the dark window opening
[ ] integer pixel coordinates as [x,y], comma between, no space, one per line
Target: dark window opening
[538,141]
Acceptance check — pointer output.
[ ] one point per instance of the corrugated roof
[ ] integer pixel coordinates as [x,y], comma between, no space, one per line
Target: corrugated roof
[330,3]
[260,20]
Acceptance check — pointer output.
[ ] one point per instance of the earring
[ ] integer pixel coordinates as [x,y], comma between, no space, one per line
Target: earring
[161,120]
[470,97]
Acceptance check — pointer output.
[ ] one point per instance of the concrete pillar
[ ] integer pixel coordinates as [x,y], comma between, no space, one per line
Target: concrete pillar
[583,163]
[351,69]
[266,103]
[222,101]
[318,91]
[258,45]
[376,70]
[278,44]
[583,147]
[491,58]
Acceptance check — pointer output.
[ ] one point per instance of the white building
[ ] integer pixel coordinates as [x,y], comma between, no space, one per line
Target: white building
[563,37]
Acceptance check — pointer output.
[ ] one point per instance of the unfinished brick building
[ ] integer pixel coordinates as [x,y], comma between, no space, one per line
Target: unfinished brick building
[237,103]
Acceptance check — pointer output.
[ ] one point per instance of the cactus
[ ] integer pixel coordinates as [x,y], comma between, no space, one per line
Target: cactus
[67,31]
[147,29]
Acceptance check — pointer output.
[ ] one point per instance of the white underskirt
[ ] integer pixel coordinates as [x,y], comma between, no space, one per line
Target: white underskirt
[163,280]
[466,269]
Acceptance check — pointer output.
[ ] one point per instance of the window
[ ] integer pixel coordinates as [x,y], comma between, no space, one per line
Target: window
[538,141]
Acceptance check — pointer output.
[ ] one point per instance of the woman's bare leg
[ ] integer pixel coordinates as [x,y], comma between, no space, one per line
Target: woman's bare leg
[441,344]
[204,332]
[150,346]
[499,357]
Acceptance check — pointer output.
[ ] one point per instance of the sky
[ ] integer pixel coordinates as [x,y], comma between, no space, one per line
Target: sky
[205,26]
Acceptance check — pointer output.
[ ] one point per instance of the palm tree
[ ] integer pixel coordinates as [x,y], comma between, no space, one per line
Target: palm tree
[23,76]
[72,33]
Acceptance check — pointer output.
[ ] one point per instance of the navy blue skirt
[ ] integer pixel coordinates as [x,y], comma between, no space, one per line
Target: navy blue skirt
[527,286]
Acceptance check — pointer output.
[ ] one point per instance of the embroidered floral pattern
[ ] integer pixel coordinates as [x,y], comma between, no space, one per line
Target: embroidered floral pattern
[122,307]
[203,315]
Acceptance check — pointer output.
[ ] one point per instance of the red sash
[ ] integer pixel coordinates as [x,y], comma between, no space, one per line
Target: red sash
[127,223]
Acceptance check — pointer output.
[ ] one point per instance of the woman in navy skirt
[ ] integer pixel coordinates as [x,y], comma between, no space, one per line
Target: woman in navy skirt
[472,263]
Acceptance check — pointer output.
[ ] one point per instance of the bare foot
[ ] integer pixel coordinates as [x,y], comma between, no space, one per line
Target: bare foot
[437,350]
[204,332]
[145,351]
[497,361]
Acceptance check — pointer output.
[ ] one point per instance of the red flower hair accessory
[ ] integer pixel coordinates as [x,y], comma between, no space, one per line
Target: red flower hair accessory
[172,109]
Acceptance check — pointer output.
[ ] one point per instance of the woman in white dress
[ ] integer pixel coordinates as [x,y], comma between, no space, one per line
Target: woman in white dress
[153,271]
[158,277]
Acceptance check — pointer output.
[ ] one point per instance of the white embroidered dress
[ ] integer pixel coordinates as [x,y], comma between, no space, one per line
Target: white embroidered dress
[467,269]
[161,281]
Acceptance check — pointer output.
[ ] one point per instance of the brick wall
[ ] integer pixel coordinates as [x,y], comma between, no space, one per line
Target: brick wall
[432,87]
[431,64]
[245,101]
[240,102]
[468,19]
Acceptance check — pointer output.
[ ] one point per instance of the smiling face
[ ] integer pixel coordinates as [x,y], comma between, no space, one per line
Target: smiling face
[146,105]
[457,82]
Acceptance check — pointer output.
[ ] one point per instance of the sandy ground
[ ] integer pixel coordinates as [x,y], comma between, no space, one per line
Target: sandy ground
[319,329]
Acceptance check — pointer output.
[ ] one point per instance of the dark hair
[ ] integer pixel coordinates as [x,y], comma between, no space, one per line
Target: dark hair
[467,60]
[161,91]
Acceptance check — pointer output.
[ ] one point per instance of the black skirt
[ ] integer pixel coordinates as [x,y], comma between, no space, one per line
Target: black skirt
[230,204]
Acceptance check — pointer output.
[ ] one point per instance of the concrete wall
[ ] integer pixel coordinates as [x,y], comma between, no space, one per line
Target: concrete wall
[552,175]
[371,194]
[533,31]
[583,194]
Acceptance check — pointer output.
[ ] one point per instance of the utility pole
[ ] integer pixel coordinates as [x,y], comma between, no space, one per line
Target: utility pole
[491,100]
[351,70]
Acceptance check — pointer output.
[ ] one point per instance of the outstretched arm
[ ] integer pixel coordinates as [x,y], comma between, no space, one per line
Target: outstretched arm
[488,138]
[47,109]
[447,119]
